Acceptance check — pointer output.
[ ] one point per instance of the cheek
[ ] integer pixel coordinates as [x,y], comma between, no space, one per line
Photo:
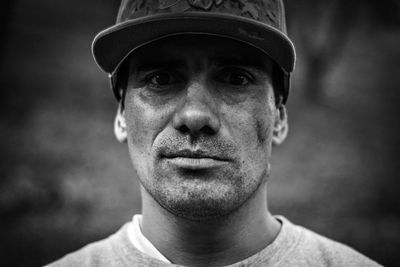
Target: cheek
[261,133]
[251,125]
[264,121]
[138,129]
[260,129]
[144,121]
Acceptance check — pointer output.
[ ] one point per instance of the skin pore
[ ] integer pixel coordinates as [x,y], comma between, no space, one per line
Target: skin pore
[201,119]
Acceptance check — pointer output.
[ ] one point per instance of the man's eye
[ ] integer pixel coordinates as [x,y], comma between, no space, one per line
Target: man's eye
[235,78]
[160,79]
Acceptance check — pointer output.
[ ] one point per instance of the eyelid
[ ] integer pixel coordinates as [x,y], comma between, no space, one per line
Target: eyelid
[235,69]
[176,76]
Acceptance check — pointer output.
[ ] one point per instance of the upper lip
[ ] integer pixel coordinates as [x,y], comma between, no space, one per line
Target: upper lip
[187,153]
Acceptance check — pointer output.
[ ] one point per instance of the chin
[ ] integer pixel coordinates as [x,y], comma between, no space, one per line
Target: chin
[202,199]
[202,205]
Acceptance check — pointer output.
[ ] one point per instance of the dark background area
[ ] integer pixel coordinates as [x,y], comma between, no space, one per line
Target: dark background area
[65,181]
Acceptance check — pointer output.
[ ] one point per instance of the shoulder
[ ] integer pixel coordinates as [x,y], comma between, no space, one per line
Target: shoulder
[316,250]
[100,253]
[115,250]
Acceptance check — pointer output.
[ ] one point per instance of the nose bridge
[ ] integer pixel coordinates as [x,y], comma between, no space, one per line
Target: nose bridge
[198,95]
[198,110]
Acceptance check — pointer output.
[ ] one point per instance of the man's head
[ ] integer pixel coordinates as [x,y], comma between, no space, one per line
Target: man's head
[200,111]
[200,121]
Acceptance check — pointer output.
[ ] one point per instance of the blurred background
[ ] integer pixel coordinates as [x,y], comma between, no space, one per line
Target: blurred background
[65,181]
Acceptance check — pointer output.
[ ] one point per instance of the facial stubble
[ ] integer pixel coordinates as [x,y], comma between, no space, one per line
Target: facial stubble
[206,194]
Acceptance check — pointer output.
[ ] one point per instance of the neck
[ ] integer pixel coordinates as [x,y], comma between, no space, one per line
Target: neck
[216,242]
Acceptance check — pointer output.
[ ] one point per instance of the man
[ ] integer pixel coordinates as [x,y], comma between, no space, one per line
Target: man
[202,87]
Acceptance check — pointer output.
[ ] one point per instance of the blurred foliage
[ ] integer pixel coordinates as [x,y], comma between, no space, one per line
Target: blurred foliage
[66,182]
[323,29]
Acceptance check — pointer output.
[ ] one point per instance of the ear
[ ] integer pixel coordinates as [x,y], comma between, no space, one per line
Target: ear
[281,126]
[120,130]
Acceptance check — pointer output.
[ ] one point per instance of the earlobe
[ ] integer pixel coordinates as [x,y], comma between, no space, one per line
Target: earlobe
[281,126]
[120,129]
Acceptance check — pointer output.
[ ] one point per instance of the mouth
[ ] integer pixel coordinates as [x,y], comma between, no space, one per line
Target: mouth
[195,160]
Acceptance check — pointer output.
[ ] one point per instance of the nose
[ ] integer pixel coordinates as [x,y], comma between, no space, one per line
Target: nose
[197,113]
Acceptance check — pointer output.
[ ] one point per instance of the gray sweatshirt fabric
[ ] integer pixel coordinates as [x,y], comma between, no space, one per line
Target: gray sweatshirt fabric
[294,246]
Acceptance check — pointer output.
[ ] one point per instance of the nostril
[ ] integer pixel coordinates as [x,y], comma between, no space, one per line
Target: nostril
[207,130]
[184,129]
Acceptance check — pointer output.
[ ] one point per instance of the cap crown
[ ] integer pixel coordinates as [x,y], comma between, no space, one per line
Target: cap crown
[270,12]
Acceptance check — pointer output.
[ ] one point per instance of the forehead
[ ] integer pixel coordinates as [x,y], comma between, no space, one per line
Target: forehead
[194,49]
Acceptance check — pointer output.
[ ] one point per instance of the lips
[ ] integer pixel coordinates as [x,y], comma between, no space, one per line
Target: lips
[194,160]
[197,154]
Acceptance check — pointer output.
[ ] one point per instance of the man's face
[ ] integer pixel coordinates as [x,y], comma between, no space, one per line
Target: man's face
[200,114]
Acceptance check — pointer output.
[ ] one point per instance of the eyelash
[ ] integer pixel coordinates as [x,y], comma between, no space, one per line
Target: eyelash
[227,73]
[173,79]
[222,76]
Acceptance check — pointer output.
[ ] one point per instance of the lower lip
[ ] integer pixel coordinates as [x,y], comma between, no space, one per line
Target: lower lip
[196,163]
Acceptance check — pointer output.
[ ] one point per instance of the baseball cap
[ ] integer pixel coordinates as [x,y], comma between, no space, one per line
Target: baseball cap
[259,23]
